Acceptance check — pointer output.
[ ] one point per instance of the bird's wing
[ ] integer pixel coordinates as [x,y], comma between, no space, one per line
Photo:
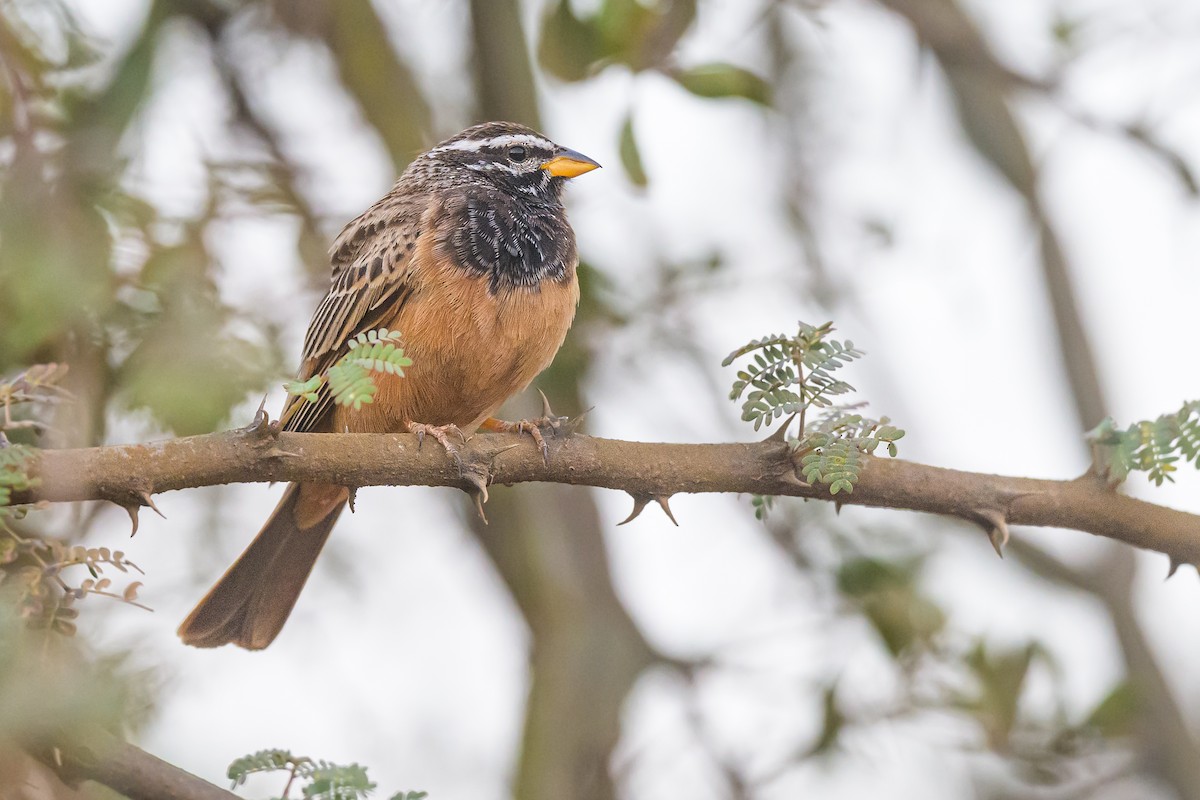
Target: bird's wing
[372,279]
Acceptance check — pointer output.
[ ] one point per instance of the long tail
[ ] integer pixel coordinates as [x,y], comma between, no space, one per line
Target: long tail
[254,597]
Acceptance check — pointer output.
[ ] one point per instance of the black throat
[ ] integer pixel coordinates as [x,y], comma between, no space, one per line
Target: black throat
[514,239]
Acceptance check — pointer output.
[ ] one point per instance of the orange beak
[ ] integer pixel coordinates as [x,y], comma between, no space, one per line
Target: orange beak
[569,164]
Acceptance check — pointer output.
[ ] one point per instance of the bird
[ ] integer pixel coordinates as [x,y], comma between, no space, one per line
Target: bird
[470,257]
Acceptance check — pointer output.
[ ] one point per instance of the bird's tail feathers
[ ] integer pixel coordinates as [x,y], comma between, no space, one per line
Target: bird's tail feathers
[253,599]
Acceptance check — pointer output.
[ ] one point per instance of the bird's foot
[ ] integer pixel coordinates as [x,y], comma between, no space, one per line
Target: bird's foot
[533,427]
[442,434]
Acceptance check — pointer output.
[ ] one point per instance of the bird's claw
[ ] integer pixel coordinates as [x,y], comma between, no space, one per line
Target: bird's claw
[442,434]
[533,427]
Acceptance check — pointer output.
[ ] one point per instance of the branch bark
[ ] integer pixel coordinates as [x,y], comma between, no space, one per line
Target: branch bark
[130,474]
[129,770]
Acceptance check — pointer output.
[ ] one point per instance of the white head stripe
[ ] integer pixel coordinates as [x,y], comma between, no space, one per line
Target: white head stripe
[496,142]
[488,166]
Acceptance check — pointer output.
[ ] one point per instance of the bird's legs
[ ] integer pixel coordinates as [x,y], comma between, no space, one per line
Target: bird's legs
[442,434]
[533,427]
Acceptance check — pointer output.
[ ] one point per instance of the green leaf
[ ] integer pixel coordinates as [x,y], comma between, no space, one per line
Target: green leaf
[351,384]
[307,389]
[262,761]
[1116,714]
[887,594]
[833,721]
[724,80]
[1152,446]
[336,782]
[631,158]
[569,46]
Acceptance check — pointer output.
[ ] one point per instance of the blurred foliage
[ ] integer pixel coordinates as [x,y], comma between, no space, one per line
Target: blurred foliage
[52,689]
[320,780]
[34,576]
[935,669]
[791,374]
[19,396]
[89,271]
[1151,446]
[95,274]
[34,570]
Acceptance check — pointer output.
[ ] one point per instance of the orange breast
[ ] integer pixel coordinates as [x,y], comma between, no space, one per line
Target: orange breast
[471,349]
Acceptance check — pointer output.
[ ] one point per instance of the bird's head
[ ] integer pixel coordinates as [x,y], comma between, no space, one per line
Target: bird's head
[516,158]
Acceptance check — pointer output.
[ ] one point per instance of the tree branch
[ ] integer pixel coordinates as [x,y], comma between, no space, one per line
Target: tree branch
[129,770]
[130,474]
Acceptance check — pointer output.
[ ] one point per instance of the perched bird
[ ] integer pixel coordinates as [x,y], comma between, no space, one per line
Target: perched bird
[470,257]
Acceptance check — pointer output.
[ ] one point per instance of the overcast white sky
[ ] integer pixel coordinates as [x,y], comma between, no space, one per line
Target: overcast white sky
[426,651]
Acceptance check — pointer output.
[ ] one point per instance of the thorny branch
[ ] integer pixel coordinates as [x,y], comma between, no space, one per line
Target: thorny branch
[129,474]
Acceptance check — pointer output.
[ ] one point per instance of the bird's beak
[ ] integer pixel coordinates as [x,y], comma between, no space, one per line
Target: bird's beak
[569,164]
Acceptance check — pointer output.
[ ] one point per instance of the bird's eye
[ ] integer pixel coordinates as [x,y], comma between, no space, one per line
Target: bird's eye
[517,153]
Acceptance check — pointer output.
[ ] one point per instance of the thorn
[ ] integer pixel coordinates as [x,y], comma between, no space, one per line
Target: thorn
[792,479]
[547,412]
[352,496]
[476,479]
[261,419]
[133,517]
[663,501]
[148,500]
[996,527]
[837,507]
[276,452]
[640,501]
[781,434]
[1175,565]
[495,453]
[480,499]
[573,425]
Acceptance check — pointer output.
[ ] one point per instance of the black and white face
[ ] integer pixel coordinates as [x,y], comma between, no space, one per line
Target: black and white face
[514,157]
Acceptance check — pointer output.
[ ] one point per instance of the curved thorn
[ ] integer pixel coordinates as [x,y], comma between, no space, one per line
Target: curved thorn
[148,500]
[996,527]
[351,498]
[640,501]
[261,419]
[663,501]
[477,488]
[547,412]
[479,501]
[132,511]
[476,479]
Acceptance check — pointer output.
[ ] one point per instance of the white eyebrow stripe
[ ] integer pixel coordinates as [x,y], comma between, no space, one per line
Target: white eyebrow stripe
[472,145]
[492,165]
